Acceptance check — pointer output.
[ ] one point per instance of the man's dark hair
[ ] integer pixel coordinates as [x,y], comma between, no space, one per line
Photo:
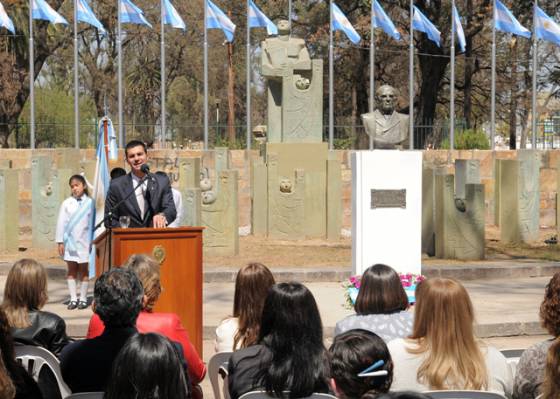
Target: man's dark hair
[135,143]
[118,297]
[117,172]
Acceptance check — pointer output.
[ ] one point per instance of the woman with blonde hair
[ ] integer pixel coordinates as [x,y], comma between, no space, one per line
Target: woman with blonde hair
[25,294]
[242,329]
[442,352]
[538,369]
[166,324]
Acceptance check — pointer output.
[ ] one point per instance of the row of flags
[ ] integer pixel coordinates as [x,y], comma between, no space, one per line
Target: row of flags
[132,14]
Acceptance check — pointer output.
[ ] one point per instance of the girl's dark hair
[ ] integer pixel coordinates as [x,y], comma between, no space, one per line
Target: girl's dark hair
[399,395]
[550,319]
[7,351]
[353,352]
[251,288]
[82,180]
[381,292]
[291,329]
[148,367]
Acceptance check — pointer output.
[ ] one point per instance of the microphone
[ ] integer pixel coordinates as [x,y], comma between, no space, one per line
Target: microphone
[145,168]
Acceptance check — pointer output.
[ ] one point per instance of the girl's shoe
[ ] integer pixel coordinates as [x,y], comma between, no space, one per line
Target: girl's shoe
[72,305]
[82,305]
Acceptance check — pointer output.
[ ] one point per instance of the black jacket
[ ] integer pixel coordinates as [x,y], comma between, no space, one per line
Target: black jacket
[46,330]
[160,200]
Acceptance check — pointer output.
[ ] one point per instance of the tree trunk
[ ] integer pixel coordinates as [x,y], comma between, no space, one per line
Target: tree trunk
[432,71]
[354,110]
[513,98]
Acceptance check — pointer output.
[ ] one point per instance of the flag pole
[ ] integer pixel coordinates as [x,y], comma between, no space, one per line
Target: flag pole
[76,92]
[119,76]
[290,15]
[493,90]
[331,69]
[411,81]
[31,80]
[162,51]
[248,78]
[452,86]
[534,97]
[205,75]
[372,68]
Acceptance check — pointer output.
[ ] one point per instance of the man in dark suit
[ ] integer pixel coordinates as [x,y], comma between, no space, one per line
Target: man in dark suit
[86,365]
[151,204]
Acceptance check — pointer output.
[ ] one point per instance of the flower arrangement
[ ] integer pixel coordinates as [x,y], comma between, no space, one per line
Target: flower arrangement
[352,287]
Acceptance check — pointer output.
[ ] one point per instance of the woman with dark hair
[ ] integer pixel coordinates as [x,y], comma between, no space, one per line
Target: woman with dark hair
[538,369]
[242,329]
[14,380]
[289,355]
[381,306]
[25,294]
[443,352]
[147,366]
[167,324]
[360,365]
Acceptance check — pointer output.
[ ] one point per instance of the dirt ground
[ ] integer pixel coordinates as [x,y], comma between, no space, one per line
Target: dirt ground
[323,253]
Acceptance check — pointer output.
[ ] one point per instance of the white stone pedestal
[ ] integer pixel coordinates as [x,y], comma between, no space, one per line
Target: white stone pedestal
[384,228]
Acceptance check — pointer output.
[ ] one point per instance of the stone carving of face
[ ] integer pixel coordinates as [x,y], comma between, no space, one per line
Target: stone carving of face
[302,83]
[386,99]
[208,197]
[205,182]
[285,186]
[283,27]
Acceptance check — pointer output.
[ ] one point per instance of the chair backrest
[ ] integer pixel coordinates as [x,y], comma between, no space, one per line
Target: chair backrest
[464,394]
[86,395]
[217,362]
[33,358]
[264,395]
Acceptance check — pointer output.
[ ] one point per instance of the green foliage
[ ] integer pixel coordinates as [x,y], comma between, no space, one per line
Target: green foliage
[469,139]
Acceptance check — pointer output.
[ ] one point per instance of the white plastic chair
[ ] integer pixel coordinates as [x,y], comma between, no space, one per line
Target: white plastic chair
[264,395]
[87,395]
[512,358]
[33,358]
[464,394]
[217,362]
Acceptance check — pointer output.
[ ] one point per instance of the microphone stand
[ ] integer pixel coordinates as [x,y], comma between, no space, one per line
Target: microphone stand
[109,216]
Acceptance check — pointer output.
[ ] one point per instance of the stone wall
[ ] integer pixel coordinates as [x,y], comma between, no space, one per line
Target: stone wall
[167,160]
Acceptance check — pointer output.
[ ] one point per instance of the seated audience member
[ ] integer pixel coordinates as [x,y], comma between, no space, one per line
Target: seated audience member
[538,369]
[86,365]
[381,305]
[15,382]
[442,352]
[167,324]
[399,395]
[289,355]
[242,329]
[147,367]
[360,365]
[25,294]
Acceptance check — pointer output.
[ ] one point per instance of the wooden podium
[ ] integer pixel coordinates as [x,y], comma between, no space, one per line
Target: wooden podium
[179,252]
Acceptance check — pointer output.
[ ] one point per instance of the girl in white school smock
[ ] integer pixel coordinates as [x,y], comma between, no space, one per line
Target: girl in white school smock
[73,238]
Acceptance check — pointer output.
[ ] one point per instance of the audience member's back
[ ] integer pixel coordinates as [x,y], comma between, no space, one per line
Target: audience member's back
[86,365]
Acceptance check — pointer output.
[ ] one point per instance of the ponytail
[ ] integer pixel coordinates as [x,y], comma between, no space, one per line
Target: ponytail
[551,383]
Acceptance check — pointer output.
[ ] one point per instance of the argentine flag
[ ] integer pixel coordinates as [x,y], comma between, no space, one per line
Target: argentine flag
[340,22]
[172,17]
[257,19]
[546,28]
[506,22]
[381,20]
[85,14]
[459,30]
[100,187]
[41,10]
[216,19]
[421,23]
[131,14]
[5,21]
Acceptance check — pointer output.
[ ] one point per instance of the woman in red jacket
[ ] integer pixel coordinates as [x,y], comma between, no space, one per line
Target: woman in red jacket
[167,324]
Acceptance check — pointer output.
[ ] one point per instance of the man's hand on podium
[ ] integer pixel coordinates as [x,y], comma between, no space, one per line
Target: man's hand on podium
[159,221]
